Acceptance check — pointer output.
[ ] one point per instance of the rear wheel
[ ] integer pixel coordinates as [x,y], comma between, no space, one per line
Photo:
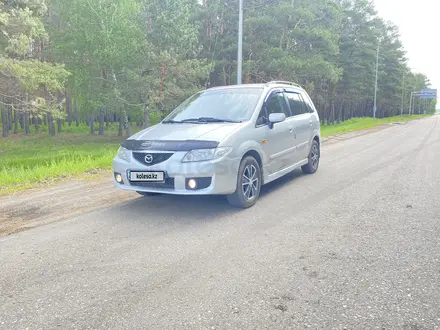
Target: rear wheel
[144,193]
[248,184]
[314,155]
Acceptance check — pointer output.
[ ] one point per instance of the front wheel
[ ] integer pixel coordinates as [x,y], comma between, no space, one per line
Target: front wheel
[314,155]
[248,184]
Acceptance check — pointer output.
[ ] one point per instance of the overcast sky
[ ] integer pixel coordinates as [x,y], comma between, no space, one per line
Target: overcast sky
[418,23]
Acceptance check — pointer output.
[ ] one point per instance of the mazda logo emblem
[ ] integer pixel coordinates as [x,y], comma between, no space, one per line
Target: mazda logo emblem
[148,159]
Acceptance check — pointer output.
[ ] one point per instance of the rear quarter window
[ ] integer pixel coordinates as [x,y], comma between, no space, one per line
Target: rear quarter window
[308,102]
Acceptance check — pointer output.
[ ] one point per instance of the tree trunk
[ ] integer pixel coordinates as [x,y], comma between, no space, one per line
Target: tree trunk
[76,114]
[60,103]
[44,119]
[60,125]
[10,116]
[120,125]
[92,124]
[333,112]
[27,123]
[69,109]
[21,119]
[101,122]
[146,117]
[322,113]
[338,115]
[37,127]
[5,122]
[51,125]
[127,131]
[15,122]
[327,113]
[127,125]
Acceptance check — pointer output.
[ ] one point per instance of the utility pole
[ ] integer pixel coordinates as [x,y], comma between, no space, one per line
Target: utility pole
[375,88]
[403,93]
[240,44]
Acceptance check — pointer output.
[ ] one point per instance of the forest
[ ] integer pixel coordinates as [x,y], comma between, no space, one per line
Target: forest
[105,64]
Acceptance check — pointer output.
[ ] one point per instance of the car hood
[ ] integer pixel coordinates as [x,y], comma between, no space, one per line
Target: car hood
[183,132]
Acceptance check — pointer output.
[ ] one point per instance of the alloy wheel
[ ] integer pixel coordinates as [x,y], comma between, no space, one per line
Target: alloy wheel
[314,156]
[250,182]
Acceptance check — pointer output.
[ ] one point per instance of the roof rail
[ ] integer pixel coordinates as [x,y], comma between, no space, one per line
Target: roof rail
[283,82]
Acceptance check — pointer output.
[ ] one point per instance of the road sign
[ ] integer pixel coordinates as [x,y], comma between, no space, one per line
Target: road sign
[428,94]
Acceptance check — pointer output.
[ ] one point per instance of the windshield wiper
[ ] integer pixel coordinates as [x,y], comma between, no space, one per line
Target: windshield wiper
[171,122]
[209,120]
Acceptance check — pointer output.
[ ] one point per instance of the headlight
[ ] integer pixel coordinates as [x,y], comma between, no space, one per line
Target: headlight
[201,155]
[123,153]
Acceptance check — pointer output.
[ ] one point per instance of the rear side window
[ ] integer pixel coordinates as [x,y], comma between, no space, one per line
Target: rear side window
[308,102]
[296,103]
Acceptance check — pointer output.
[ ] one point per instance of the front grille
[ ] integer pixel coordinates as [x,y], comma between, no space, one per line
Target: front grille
[167,184]
[156,158]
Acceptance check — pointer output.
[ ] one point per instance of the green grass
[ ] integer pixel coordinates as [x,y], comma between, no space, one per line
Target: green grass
[28,161]
[357,124]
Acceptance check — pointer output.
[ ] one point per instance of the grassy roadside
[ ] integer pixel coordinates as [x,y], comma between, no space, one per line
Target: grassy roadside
[29,161]
[358,124]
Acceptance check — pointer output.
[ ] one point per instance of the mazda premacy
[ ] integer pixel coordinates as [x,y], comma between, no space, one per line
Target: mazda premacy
[228,140]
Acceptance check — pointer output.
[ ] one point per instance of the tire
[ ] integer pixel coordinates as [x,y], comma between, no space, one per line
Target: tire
[249,172]
[314,156]
[144,193]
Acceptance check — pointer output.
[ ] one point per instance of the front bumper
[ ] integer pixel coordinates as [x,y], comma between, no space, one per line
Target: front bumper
[218,177]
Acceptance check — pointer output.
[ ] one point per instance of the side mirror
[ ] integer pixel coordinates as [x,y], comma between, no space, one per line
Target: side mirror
[276,118]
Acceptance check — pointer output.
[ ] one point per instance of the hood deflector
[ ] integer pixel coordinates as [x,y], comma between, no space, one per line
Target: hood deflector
[162,145]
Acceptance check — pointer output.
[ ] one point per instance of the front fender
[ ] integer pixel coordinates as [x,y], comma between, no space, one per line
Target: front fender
[248,146]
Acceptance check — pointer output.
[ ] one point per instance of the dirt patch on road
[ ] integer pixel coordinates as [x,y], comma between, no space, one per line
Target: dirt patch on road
[29,212]
[36,207]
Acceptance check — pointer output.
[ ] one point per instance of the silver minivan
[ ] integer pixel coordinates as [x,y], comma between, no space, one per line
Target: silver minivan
[227,140]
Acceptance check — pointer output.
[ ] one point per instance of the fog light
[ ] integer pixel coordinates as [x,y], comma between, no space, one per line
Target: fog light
[192,184]
[118,178]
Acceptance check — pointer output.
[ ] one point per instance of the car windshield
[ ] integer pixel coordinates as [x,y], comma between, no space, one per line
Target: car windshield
[228,105]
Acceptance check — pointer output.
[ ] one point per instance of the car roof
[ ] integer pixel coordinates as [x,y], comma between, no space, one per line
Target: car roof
[271,84]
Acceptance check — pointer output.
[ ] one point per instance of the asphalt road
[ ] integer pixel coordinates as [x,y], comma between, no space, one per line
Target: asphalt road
[355,246]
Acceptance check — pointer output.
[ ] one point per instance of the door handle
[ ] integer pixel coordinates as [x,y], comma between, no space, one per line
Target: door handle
[292,130]
[310,123]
